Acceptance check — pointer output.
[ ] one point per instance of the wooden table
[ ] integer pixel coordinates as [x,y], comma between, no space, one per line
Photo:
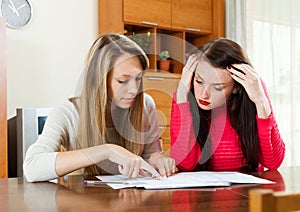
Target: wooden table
[70,194]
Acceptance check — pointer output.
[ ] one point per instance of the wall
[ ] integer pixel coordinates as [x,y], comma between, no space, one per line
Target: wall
[45,59]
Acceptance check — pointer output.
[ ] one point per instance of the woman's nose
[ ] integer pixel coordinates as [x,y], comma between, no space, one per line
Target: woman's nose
[133,87]
[205,92]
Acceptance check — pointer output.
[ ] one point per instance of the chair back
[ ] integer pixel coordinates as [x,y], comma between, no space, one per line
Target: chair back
[29,124]
[266,200]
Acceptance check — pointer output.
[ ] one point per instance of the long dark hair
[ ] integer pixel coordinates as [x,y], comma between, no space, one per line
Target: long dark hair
[221,53]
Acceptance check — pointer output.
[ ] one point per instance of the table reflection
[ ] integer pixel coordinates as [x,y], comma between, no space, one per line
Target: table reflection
[274,176]
[70,194]
[233,198]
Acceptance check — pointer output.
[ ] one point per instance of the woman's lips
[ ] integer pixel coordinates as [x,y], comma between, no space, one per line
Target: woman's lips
[202,102]
[129,99]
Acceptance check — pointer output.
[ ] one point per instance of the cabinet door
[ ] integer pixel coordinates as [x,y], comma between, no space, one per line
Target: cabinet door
[110,16]
[153,12]
[192,15]
[161,86]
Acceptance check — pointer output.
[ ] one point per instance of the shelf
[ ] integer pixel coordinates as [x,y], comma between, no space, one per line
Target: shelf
[178,26]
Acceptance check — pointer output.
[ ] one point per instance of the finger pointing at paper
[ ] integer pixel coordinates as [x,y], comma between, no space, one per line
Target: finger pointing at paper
[130,165]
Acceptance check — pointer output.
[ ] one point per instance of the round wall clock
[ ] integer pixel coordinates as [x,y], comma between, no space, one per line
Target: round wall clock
[17,13]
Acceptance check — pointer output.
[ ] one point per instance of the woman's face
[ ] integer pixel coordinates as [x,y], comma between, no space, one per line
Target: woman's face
[124,80]
[212,86]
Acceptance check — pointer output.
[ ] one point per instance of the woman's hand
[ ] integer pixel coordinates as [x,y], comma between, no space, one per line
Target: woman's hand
[250,80]
[130,165]
[185,83]
[165,165]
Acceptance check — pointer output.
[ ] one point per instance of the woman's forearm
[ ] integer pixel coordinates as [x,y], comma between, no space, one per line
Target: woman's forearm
[70,161]
[263,108]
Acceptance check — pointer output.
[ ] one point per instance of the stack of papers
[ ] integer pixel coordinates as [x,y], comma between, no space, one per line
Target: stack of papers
[183,180]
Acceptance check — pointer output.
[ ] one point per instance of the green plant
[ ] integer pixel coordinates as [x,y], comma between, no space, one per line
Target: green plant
[164,55]
[143,40]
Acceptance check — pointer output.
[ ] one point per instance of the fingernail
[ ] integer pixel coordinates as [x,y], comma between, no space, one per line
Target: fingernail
[157,177]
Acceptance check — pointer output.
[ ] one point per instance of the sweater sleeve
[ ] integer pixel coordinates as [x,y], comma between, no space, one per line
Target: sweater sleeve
[184,147]
[271,143]
[39,162]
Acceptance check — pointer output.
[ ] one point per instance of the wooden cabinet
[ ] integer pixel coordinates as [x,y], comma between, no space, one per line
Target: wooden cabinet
[161,86]
[110,16]
[191,15]
[187,15]
[174,25]
[3,107]
[177,26]
[151,12]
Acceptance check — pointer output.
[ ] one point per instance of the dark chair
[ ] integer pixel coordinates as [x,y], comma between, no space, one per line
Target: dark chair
[23,130]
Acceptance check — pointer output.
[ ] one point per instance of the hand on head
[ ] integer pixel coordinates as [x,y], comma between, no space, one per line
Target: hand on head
[186,78]
[249,79]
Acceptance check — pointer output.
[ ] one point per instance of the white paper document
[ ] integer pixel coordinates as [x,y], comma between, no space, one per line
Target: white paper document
[183,180]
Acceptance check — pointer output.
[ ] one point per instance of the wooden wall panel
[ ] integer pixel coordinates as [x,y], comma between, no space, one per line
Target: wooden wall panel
[3,104]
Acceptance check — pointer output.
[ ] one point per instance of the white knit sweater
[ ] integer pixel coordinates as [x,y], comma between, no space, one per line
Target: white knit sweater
[60,129]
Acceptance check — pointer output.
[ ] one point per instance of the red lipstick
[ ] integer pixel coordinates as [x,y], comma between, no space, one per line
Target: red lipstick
[202,102]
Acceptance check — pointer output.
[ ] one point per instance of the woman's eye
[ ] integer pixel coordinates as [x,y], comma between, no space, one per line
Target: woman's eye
[199,82]
[122,81]
[218,88]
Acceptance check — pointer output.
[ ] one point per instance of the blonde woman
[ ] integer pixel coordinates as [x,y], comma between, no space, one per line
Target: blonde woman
[111,128]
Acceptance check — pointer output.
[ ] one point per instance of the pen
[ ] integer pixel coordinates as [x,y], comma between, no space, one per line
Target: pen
[97,182]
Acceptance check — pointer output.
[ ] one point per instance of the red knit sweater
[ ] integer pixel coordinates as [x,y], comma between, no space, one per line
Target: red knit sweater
[228,153]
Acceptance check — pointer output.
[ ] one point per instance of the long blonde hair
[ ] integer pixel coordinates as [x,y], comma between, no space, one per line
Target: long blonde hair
[94,102]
